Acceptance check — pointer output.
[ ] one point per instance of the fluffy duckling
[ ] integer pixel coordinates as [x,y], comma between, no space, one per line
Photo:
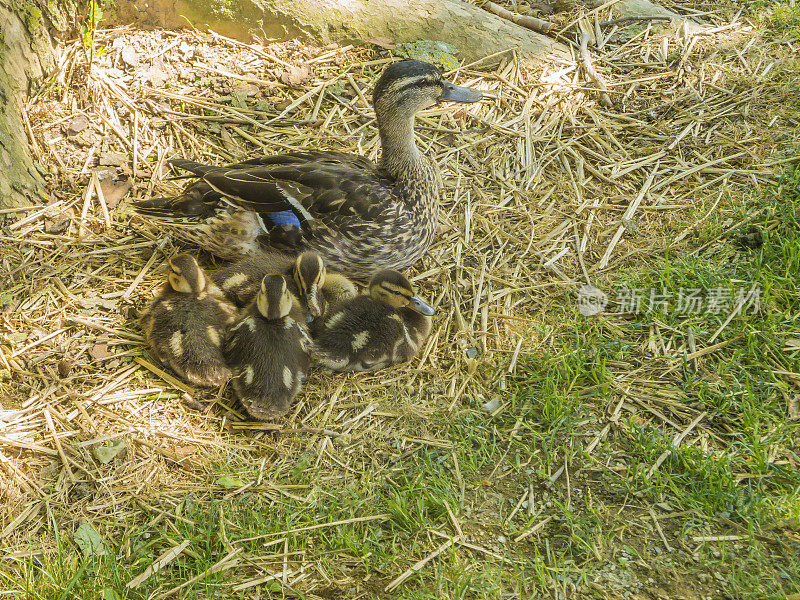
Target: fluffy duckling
[185,324]
[267,351]
[308,280]
[385,326]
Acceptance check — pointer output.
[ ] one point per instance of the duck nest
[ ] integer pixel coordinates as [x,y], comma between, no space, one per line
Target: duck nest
[540,187]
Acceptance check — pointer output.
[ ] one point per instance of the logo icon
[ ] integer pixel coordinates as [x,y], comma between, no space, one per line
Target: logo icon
[591,301]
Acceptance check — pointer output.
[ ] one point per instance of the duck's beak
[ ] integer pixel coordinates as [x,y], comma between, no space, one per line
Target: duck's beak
[456,93]
[417,304]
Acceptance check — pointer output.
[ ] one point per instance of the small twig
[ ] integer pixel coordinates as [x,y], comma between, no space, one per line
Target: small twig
[658,528]
[676,442]
[102,199]
[524,20]
[629,212]
[733,313]
[588,67]
[173,381]
[30,218]
[379,517]
[162,561]
[51,426]
[708,350]
[632,19]
[533,529]
[138,279]
[228,561]
[419,565]
[87,202]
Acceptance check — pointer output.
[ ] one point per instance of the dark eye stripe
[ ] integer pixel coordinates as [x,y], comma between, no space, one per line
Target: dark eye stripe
[415,84]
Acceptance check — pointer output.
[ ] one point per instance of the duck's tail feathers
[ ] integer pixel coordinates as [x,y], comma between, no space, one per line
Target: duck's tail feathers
[197,168]
[198,200]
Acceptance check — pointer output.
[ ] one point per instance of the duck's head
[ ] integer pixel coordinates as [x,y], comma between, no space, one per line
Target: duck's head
[392,288]
[274,300]
[309,276]
[409,86]
[185,275]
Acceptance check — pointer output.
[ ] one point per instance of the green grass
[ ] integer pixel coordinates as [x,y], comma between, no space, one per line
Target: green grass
[785,19]
[743,467]
[734,474]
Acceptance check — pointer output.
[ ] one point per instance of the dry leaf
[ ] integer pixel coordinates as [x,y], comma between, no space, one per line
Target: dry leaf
[296,75]
[78,124]
[129,56]
[227,140]
[106,453]
[113,159]
[794,408]
[89,541]
[64,368]
[100,351]
[114,191]
[155,75]
[58,224]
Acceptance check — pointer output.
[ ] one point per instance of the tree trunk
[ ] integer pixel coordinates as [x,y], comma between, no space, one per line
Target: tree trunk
[645,8]
[26,54]
[475,32]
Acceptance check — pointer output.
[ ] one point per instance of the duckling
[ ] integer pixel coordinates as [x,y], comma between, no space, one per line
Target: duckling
[185,324]
[336,290]
[385,326]
[267,351]
[309,280]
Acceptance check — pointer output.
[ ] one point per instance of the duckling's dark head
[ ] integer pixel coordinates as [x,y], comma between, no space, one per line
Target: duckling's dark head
[309,276]
[392,288]
[408,86]
[274,300]
[185,275]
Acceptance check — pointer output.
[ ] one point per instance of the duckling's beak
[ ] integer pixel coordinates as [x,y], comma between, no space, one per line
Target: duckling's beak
[417,304]
[456,93]
[315,301]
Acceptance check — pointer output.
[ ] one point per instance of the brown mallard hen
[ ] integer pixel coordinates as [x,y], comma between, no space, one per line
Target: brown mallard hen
[360,217]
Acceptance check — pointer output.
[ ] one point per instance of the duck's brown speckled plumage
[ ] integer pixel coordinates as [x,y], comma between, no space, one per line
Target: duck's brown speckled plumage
[360,217]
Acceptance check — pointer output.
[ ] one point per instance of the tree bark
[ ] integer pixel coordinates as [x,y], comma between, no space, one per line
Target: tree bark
[645,8]
[26,54]
[476,33]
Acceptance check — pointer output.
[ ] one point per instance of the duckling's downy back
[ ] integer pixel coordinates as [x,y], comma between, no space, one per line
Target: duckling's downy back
[185,329]
[268,355]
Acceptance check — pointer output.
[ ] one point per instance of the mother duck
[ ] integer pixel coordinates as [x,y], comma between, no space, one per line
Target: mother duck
[360,217]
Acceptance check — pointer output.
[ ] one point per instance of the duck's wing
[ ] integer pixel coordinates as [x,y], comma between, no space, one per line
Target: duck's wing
[202,198]
[333,186]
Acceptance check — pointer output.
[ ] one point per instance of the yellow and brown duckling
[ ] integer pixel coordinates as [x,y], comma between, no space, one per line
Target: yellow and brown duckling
[385,326]
[307,278]
[266,350]
[185,324]
[359,216]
